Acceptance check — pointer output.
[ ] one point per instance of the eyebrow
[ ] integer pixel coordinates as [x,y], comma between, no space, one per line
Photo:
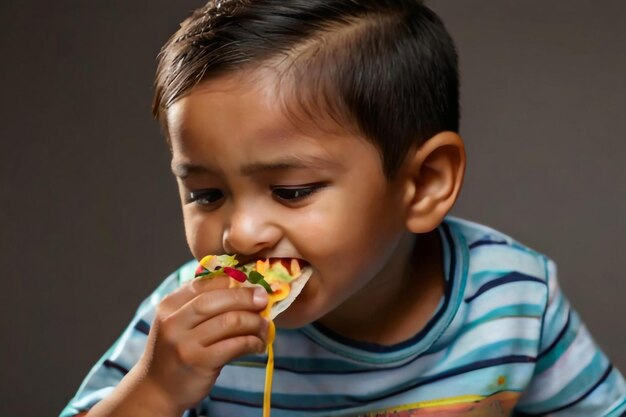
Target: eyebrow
[283,164]
[184,170]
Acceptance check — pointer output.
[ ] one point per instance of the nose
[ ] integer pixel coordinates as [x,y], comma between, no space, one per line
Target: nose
[250,231]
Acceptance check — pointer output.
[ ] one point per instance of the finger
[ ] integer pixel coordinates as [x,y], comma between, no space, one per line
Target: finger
[193,356]
[188,291]
[231,325]
[227,350]
[213,303]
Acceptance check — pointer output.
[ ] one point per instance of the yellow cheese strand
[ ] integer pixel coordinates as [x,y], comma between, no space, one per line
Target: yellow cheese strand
[271,335]
[269,371]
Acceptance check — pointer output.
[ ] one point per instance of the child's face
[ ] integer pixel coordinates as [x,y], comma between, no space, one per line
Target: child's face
[253,185]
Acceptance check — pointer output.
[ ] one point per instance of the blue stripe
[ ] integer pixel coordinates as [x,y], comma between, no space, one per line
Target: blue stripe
[495,349]
[332,402]
[310,366]
[142,326]
[484,242]
[112,365]
[512,277]
[559,337]
[604,376]
[569,338]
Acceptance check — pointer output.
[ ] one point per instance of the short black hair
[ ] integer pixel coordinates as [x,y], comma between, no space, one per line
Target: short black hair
[387,68]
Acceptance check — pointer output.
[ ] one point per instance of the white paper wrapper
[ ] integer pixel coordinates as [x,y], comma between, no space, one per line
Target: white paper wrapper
[297,285]
[296,288]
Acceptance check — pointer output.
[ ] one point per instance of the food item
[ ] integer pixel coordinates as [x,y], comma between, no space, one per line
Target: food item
[282,278]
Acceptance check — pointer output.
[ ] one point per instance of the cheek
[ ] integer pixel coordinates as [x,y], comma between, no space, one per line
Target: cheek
[348,233]
[203,236]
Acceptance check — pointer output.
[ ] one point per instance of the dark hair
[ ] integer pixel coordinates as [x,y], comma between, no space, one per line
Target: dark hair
[388,68]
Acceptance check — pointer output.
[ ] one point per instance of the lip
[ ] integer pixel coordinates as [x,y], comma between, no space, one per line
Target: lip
[284,260]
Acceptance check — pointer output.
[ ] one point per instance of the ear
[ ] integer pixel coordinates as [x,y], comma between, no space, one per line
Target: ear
[433,175]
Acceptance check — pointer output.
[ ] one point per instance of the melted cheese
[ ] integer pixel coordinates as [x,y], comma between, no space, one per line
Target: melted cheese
[278,295]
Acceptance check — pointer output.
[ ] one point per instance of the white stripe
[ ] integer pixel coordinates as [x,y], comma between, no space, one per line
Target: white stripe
[357,384]
[503,258]
[492,332]
[520,292]
[574,360]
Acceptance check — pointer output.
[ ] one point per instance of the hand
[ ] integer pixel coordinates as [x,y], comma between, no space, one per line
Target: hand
[197,330]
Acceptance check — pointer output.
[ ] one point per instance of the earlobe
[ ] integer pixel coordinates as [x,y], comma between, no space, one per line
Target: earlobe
[433,177]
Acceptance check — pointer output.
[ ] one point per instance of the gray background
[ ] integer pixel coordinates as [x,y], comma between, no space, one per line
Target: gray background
[89,217]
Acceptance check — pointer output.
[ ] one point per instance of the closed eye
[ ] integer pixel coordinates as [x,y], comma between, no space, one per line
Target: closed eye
[205,197]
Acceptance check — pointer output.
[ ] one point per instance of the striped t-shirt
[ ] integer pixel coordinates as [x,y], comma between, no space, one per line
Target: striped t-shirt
[504,341]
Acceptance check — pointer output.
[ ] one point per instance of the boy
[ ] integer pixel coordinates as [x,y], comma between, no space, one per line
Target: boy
[327,131]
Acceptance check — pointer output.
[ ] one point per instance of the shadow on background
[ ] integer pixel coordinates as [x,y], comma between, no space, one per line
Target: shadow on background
[89,217]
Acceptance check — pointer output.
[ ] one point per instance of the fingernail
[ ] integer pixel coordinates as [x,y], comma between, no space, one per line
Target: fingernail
[260,297]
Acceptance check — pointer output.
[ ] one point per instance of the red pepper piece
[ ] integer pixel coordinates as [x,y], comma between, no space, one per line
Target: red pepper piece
[200,269]
[235,274]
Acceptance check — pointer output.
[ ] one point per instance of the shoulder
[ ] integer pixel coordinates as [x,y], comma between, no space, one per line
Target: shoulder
[489,250]
[499,268]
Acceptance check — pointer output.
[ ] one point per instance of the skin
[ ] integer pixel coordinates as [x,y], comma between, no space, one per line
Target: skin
[274,190]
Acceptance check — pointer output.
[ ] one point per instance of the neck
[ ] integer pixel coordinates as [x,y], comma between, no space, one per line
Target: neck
[398,302]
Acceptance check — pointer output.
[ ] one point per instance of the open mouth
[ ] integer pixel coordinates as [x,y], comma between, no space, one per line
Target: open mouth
[293,265]
[212,264]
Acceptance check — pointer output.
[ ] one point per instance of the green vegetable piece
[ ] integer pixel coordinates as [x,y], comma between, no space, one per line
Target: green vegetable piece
[256,278]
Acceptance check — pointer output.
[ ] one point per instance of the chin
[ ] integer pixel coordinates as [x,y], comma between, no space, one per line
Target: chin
[297,315]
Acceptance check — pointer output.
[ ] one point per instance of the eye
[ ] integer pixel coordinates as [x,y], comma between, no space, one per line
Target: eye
[204,197]
[297,193]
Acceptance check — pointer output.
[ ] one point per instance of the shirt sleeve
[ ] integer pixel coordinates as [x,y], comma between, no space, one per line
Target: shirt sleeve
[125,352]
[572,376]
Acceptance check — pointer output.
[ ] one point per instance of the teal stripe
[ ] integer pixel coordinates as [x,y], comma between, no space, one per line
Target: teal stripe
[510,245]
[322,365]
[580,384]
[478,279]
[558,312]
[287,401]
[610,392]
[420,387]
[619,410]
[515,310]
[506,312]
[546,361]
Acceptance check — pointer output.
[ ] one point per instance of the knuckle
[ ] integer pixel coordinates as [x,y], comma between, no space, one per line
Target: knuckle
[244,296]
[184,354]
[163,306]
[198,285]
[166,324]
[254,344]
[238,296]
[161,316]
[201,304]
[231,320]
[168,298]
[181,352]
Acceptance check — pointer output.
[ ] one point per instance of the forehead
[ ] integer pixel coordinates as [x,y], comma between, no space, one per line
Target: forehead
[297,107]
[242,117]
